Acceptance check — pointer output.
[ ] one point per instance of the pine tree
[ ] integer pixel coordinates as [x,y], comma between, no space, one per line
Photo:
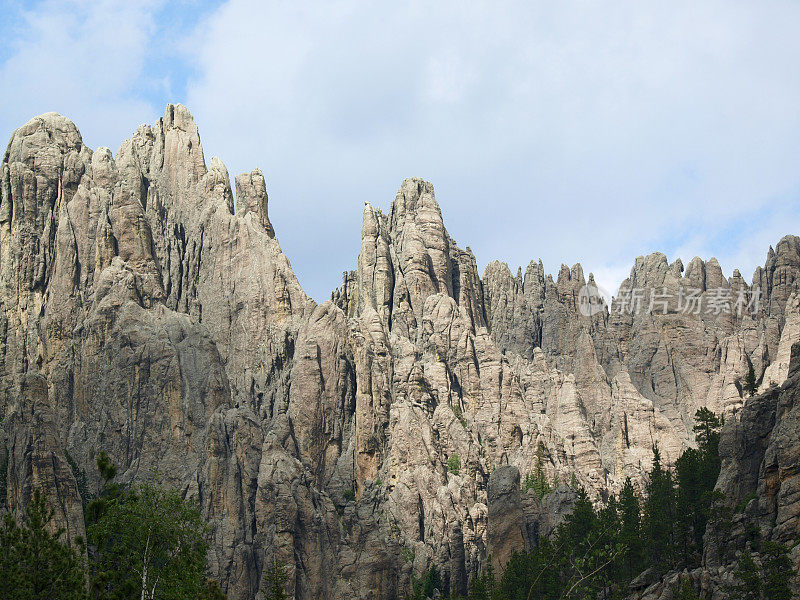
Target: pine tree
[590,552]
[770,581]
[109,492]
[108,470]
[659,516]
[454,464]
[691,516]
[706,429]
[685,591]
[538,479]
[631,530]
[750,383]
[11,573]
[696,471]
[776,571]
[273,583]
[34,562]
[427,585]
[212,591]
[748,585]
[483,586]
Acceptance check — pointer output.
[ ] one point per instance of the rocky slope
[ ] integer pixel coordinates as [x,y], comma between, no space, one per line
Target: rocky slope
[760,486]
[143,314]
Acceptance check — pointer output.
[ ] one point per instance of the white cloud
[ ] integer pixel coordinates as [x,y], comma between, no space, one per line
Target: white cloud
[590,131]
[83,59]
[572,131]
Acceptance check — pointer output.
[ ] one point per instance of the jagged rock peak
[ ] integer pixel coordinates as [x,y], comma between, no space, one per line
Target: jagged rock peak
[50,127]
[414,194]
[251,196]
[179,117]
[408,256]
[647,271]
[421,240]
[676,268]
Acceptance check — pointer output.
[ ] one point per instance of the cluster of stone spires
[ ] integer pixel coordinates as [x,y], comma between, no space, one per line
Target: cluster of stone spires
[144,317]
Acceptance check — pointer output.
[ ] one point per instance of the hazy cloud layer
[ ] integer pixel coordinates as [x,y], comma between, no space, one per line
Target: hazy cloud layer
[570,131]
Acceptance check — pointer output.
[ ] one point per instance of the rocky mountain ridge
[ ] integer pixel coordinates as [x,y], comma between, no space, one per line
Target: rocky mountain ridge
[144,315]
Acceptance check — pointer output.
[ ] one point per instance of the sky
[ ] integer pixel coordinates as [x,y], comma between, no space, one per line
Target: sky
[575,131]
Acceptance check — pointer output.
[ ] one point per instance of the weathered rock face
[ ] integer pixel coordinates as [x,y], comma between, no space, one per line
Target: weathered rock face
[761,462]
[518,520]
[760,485]
[354,440]
[506,532]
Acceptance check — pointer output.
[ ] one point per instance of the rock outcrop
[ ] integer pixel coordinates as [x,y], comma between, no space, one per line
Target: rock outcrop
[506,531]
[369,437]
[760,491]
